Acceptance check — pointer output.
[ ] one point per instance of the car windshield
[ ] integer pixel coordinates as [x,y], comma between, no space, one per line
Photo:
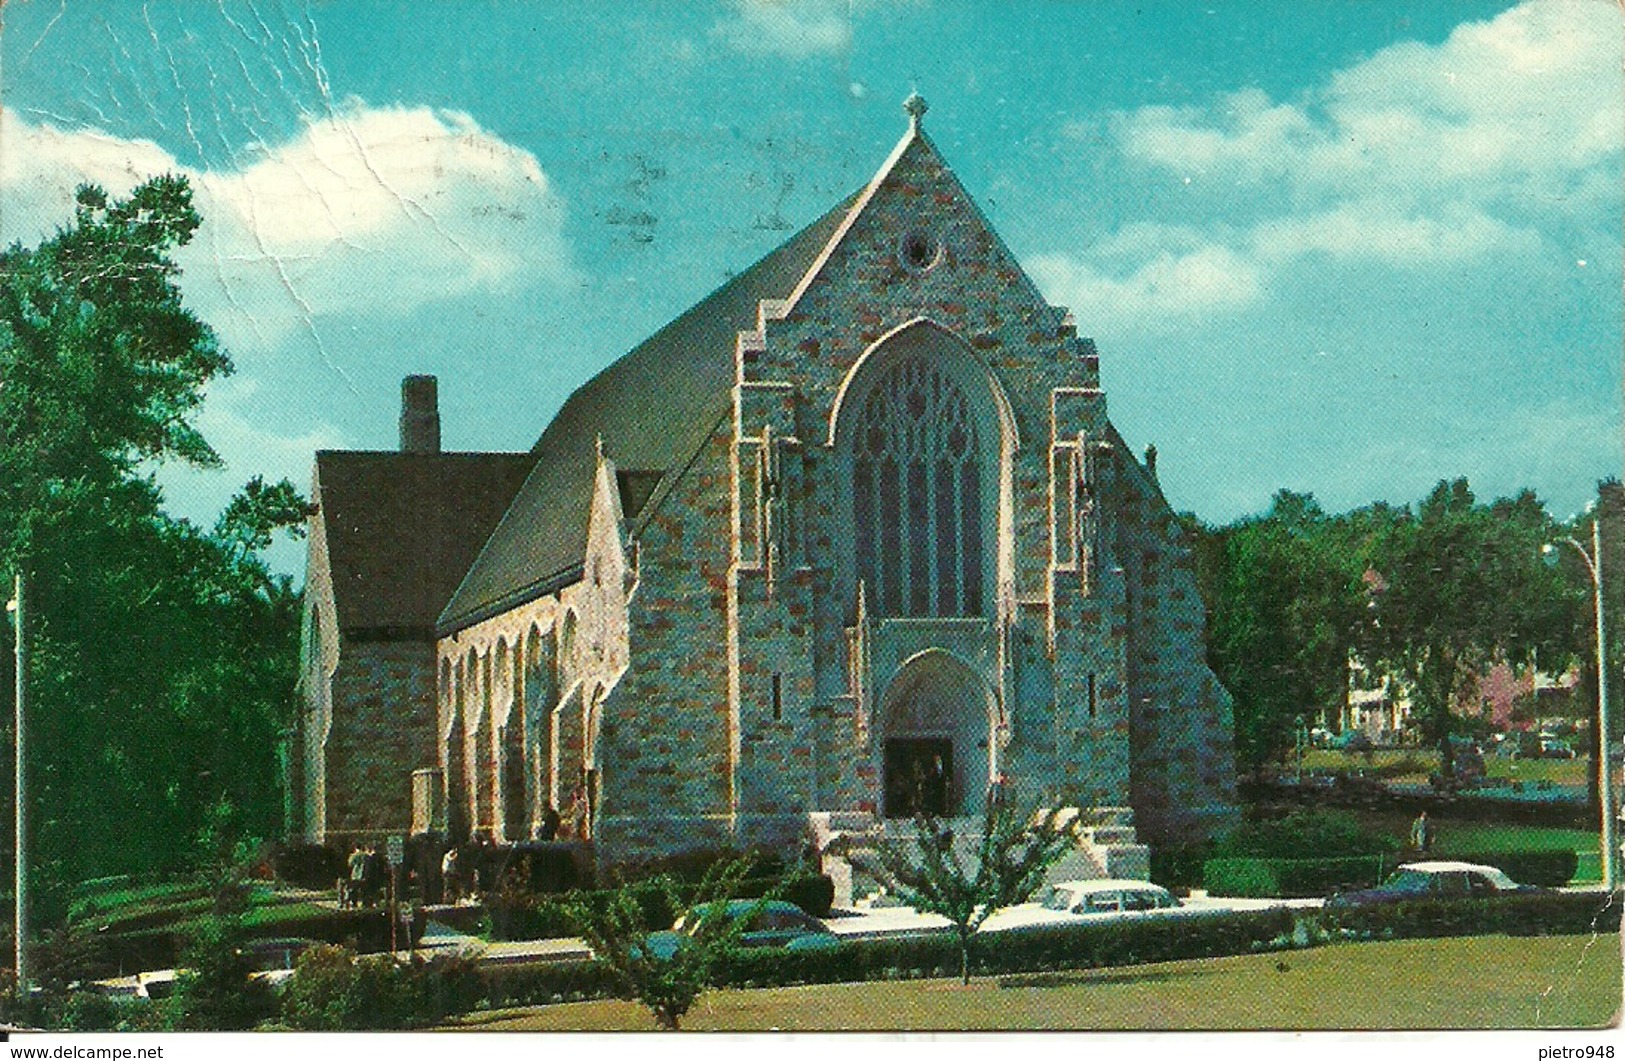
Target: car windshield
[1058,899]
[1408,880]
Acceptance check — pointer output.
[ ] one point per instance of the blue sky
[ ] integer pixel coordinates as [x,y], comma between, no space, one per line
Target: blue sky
[1347,248]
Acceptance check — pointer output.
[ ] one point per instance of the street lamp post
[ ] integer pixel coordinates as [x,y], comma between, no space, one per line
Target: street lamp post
[16,606]
[1605,796]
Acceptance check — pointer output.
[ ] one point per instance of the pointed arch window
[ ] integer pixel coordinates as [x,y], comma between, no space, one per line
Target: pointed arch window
[917,482]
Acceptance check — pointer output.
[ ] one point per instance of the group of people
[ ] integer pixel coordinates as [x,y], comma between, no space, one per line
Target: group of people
[462,867]
[363,881]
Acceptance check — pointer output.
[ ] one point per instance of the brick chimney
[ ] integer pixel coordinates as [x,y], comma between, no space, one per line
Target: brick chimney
[420,415]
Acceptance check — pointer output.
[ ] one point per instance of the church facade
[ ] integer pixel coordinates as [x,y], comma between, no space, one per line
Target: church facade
[852,536]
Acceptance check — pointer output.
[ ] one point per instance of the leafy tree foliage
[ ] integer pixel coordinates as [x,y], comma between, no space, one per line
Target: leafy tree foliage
[667,984]
[1017,845]
[1433,596]
[1462,588]
[1284,602]
[161,655]
[216,991]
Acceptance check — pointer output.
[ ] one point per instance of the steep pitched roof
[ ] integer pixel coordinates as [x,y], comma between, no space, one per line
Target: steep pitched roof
[653,409]
[402,528]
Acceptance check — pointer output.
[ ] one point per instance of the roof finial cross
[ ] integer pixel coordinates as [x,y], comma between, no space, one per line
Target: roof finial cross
[915,107]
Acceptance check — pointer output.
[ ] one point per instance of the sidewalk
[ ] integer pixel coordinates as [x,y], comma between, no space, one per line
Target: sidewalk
[439,939]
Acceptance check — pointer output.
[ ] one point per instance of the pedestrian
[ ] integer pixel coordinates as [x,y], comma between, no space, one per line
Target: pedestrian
[1422,833]
[451,885]
[550,824]
[372,876]
[355,881]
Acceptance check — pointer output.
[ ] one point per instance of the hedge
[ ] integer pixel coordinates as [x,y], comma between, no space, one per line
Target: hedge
[1299,878]
[1292,878]
[1088,945]
[1079,946]
[120,953]
[1546,869]
[1551,914]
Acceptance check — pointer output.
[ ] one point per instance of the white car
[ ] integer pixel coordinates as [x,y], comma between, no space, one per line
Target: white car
[1086,900]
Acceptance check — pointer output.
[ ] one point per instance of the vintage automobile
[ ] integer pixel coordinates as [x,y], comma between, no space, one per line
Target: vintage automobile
[773,923]
[1071,901]
[1434,880]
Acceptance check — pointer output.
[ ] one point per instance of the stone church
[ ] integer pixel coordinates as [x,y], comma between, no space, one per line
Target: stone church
[852,535]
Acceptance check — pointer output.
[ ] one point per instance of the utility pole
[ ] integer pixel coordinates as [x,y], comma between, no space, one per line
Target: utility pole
[19,618]
[1605,793]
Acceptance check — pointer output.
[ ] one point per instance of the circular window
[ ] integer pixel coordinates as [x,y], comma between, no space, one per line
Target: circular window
[919,251]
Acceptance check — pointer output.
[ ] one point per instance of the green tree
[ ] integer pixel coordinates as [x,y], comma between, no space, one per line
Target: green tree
[1283,598]
[215,990]
[102,365]
[161,655]
[1462,587]
[1017,845]
[666,981]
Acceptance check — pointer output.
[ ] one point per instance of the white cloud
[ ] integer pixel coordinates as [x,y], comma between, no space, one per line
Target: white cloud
[1419,157]
[1520,104]
[422,205]
[366,217]
[792,29]
[1169,291]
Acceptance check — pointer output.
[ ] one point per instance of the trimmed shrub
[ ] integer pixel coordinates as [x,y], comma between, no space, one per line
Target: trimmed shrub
[1292,878]
[1551,914]
[814,893]
[1179,869]
[1546,869]
[307,865]
[1079,946]
[1327,833]
[334,989]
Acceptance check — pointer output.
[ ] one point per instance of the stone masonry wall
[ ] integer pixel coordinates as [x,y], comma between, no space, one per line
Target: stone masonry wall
[975,290]
[667,732]
[383,728]
[1181,737]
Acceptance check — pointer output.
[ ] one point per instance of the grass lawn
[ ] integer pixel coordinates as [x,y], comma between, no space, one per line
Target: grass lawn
[1476,982]
[1414,765]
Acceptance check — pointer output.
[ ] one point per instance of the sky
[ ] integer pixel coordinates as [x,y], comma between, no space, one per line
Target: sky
[1347,248]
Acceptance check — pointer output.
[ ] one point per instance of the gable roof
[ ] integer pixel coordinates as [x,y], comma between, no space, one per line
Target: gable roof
[653,408]
[402,528]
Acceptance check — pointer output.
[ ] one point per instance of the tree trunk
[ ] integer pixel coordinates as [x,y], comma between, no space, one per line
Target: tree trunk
[964,958]
[666,1020]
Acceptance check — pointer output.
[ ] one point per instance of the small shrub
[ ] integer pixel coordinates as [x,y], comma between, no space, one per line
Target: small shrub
[1546,869]
[1268,878]
[307,865]
[334,989]
[1325,832]
[1179,869]
[215,993]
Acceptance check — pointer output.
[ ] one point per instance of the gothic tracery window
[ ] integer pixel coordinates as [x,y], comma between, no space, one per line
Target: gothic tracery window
[917,495]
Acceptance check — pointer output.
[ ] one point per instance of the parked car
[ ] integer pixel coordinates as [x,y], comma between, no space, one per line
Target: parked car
[774,923]
[1352,740]
[1434,880]
[1552,748]
[1074,900]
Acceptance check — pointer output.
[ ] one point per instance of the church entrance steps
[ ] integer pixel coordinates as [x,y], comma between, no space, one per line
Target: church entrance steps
[1107,847]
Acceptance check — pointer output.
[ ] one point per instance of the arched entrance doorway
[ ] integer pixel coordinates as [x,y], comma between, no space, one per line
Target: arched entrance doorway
[936,739]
